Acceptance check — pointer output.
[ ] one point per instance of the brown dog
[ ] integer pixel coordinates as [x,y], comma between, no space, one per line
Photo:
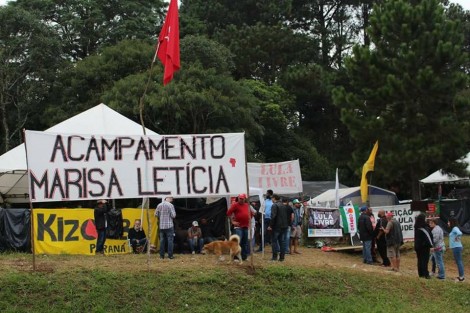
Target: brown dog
[219,247]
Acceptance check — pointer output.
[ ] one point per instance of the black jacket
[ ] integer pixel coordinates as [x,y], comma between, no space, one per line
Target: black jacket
[366,232]
[100,217]
[423,241]
[280,216]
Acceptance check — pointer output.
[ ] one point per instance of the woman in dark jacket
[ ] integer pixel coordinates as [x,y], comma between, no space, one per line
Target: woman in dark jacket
[423,245]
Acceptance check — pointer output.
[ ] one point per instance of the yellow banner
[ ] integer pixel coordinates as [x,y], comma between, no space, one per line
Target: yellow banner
[72,231]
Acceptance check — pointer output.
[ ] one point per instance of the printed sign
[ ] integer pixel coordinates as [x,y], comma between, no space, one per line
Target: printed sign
[324,222]
[82,167]
[404,215]
[350,217]
[282,177]
[72,231]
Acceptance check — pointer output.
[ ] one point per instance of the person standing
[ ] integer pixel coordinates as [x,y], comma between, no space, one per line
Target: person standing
[195,238]
[239,213]
[268,203]
[296,230]
[394,239]
[423,244]
[281,218]
[380,237]
[166,213]
[137,238]
[455,243]
[439,248]
[366,232]
[100,213]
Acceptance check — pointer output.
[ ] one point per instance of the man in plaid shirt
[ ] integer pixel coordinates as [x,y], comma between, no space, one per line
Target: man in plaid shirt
[166,213]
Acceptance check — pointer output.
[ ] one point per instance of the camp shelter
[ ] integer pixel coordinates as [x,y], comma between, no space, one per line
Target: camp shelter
[377,197]
[99,120]
[439,177]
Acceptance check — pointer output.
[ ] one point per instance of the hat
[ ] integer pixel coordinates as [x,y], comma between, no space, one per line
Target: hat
[242,196]
[363,208]
[102,201]
[295,201]
[195,224]
[389,214]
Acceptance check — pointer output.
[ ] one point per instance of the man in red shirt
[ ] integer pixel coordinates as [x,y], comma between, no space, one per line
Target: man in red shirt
[240,215]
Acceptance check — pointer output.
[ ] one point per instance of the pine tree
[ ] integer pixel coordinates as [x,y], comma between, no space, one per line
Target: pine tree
[403,91]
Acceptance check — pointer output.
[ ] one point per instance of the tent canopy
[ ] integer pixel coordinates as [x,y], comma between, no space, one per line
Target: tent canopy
[377,197]
[99,120]
[439,176]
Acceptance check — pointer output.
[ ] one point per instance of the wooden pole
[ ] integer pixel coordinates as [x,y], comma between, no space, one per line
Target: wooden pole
[252,248]
[145,201]
[31,208]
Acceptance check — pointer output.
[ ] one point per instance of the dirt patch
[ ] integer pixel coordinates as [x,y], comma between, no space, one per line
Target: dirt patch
[310,258]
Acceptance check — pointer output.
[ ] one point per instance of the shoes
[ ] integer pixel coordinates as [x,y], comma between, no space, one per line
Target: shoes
[427,277]
[281,260]
[193,252]
[297,252]
[460,279]
[171,257]
[441,278]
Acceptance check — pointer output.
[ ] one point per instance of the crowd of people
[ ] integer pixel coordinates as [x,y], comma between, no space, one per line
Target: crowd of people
[280,225]
[385,237]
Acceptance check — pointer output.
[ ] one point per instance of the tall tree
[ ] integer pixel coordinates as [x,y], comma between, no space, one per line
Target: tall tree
[29,58]
[84,26]
[403,92]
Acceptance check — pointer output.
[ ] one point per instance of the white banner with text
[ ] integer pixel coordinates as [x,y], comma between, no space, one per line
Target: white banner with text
[282,177]
[66,167]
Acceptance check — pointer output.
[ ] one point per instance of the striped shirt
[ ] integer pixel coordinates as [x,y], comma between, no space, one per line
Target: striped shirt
[166,213]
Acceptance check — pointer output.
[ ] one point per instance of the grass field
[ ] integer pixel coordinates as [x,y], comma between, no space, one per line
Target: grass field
[312,282]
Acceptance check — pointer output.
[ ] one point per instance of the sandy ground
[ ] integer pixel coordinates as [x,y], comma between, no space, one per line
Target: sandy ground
[310,258]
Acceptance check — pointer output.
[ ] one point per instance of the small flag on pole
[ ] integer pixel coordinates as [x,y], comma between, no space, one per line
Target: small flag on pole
[168,49]
[337,190]
[368,167]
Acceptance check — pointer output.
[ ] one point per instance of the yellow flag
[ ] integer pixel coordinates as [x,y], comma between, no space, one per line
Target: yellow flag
[368,167]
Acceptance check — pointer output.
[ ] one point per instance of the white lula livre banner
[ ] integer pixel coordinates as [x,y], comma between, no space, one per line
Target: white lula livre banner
[281,177]
[82,167]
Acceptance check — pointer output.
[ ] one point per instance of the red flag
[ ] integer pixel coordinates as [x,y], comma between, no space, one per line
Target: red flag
[168,50]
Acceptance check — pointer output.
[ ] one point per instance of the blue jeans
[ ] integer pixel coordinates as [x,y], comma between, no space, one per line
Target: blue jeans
[438,257]
[100,240]
[166,235]
[287,240]
[279,242]
[243,234]
[199,242]
[458,259]
[366,251]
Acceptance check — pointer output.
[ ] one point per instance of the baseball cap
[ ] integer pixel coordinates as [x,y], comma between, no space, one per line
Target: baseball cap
[195,224]
[242,196]
[102,201]
[295,201]
[363,208]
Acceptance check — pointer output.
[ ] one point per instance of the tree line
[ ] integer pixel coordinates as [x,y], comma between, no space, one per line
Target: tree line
[317,80]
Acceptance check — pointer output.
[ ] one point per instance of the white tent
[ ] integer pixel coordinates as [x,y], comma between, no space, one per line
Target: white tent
[99,120]
[440,177]
[377,197]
